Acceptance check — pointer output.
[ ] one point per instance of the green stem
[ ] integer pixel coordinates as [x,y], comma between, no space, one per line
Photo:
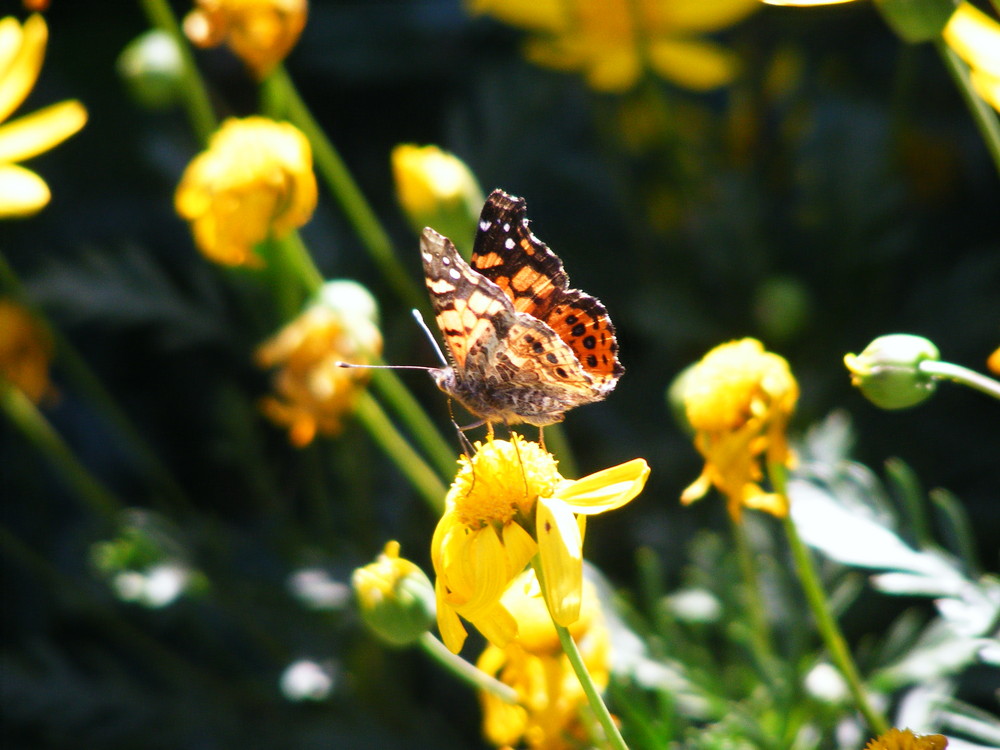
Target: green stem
[569,647]
[295,256]
[343,187]
[963,375]
[465,671]
[828,629]
[760,630]
[397,396]
[982,113]
[36,428]
[196,99]
[77,369]
[392,442]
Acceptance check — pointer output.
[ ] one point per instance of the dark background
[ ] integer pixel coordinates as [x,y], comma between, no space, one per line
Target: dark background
[860,183]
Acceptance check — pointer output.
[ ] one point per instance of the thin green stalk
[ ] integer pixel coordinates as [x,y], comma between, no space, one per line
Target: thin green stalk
[296,257]
[963,375]
[828,629]
[343,187]
[982,113]
[36,428]
[409,461]
[77,369]
[597,705]
[196,99]
[465,671]
[753,600]
[425,432]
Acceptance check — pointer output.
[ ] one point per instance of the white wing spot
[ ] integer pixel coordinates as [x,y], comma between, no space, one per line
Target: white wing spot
[455,274]
[445,260]
[509,244]
[427,257]
[506,226]
[484,226]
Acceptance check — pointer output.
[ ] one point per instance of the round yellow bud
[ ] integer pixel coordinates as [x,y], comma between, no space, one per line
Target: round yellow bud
[395,597]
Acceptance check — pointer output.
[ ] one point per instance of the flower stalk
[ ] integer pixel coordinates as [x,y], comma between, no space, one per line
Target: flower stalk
[40,433]
[421,476]
[283,94]
[194,93]
[825,622]
[961,375]
[569,647]
[465,671]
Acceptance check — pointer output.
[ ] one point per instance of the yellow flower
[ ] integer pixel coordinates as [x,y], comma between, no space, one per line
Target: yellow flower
[506,504]
[436,189]
[312,394]
[550,697]
[259,32]
[611,41]
[25,352]
[975,37]
[254,181]
[22,50]
[738,400]
[896,739]
[395,598]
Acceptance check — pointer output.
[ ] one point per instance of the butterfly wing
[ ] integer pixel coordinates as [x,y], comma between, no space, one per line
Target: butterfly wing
[469,308]
[532,276]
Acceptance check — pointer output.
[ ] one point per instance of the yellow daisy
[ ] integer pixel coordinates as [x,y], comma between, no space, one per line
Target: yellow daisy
[738,400]
[547,714]
[22,50]
[254,181]
[259,32]
[612,41]
[507,504]
[312,392]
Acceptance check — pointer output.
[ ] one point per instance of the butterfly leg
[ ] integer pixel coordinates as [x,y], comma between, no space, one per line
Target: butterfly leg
[541,438]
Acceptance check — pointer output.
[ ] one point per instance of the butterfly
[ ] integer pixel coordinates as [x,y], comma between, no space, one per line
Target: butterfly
[522,345]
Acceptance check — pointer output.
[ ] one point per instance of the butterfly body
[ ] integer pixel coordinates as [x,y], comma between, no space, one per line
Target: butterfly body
[523,346]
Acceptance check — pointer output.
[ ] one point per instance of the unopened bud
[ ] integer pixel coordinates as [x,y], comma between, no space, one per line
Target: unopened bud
[888,370]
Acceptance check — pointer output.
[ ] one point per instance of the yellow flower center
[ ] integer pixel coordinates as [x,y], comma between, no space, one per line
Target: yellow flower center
[502,482]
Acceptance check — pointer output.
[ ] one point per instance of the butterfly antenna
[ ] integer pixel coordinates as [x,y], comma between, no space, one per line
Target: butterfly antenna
[437,348]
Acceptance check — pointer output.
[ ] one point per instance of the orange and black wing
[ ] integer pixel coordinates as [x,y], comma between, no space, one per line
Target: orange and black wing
[469,308]
[532,276]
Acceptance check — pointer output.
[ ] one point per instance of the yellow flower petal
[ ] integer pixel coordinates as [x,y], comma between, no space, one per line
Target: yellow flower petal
[535,15]
[987,86]
[560,549]
[22,192]
[19,76]
[975,37]
[694,64]
[698,16]
[607,489]
[453,633]
[497,625]
[38,132]
[520,546]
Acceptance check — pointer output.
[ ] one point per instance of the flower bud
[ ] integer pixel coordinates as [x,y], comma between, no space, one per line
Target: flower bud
[888,370]
[395,597]
[151,67]
[436,189]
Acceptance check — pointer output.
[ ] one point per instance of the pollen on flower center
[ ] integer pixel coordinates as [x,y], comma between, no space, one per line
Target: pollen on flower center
[502,481]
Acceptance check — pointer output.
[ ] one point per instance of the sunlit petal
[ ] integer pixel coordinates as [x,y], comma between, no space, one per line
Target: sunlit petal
[560,549]
[606,490]
[38,132]
[22,192]
[699,16]
[453,633]
[697,65]
[22,71]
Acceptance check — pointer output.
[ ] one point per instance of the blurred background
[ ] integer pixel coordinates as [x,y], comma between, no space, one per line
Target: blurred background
[837,189]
